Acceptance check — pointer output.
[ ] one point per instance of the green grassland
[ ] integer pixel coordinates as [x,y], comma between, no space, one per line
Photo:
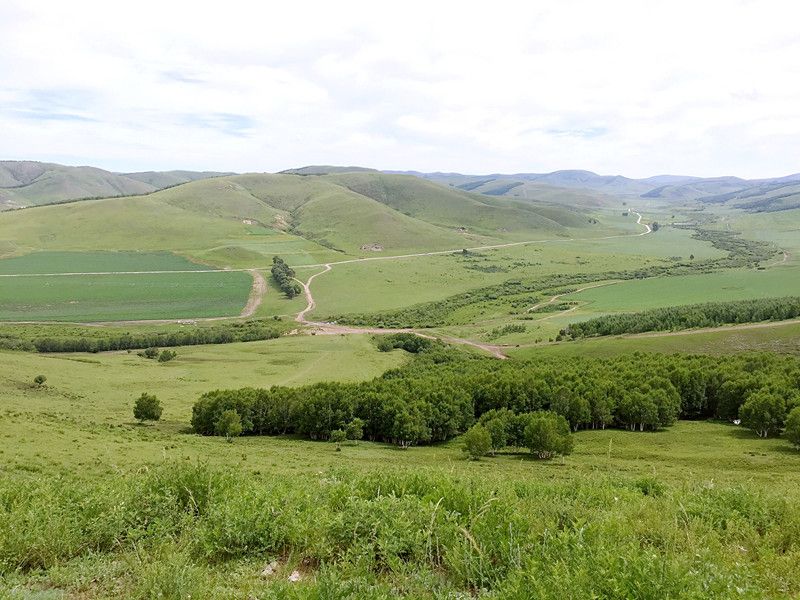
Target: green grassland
[627,296]
[242,220]
[690,289]
[123,297]
[382,285]
[105,385]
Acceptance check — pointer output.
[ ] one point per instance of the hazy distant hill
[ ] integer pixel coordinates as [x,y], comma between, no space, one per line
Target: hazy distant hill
[782,194]
[777,193]
[325,170]
[27,183]
[164,179]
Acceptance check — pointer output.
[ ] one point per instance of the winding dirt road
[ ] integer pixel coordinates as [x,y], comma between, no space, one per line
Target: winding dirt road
[323,328]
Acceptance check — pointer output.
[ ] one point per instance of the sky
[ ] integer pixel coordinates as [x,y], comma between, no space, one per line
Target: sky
[639,88]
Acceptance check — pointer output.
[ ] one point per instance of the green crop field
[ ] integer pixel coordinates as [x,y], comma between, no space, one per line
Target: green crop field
[123,297]
[96,262]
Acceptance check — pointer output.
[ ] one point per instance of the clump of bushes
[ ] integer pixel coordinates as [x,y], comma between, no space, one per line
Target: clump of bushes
[410,342]
[39,380]
[147,408]
[440,394]
[545,434]
[283,275]
[235,331]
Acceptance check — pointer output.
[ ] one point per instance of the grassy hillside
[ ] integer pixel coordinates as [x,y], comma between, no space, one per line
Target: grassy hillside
[30,183]
[453,208]
[243,220]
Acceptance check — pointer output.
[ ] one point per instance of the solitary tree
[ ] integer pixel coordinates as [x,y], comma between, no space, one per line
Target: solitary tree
[477,442]
[793,426]
[147,408]
[229,424]
[39,380]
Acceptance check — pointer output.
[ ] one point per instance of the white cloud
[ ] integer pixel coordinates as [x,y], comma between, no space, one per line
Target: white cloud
[636,88]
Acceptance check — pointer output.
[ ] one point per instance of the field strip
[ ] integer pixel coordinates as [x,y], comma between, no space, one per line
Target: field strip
[73,274]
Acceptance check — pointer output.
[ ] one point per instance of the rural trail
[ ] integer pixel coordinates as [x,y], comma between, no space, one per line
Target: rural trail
[256,294]
[494,349]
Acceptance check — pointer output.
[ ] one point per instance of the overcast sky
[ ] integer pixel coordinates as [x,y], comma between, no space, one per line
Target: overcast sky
[633,88]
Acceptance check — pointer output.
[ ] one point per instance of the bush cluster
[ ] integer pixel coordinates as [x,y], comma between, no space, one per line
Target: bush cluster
[546,434]
[283,275]
[410,342]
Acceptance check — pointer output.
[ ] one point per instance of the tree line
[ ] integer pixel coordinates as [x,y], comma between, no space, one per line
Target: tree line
[248,331]
[283,275]
[442,392]
[709,314]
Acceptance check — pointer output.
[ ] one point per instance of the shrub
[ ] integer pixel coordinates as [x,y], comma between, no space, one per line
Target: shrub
[477,442]
[39,380]
[167,355]
[338,436]
[147,408]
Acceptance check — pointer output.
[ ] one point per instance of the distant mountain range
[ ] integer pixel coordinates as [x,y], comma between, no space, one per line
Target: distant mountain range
[27,183]
[779,193]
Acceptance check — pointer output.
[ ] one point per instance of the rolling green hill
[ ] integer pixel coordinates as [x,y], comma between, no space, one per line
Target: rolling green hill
[30,183]
[457,209]
[242,220]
